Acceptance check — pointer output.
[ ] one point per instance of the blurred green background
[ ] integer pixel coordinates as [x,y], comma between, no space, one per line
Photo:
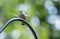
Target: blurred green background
[42,15]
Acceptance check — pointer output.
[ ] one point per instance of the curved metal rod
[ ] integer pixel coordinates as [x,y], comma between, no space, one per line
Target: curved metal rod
[18,19]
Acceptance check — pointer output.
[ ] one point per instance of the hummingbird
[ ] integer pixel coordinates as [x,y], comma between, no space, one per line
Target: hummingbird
[22,15]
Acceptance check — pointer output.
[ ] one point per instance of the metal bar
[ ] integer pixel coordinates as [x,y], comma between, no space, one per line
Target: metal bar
[18,19]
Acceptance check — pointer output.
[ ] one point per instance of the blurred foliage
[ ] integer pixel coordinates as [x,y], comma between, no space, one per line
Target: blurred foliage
[9,7]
